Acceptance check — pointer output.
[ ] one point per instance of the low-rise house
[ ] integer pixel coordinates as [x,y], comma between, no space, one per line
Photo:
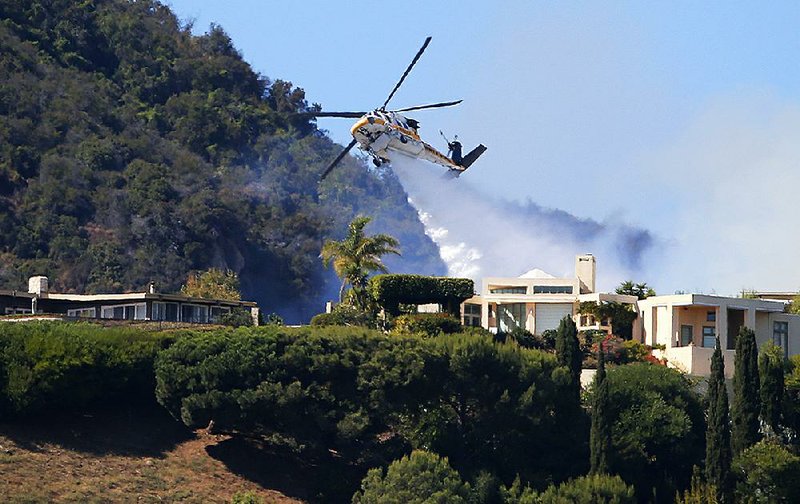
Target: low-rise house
[537,301]
[687,326]
[148,305]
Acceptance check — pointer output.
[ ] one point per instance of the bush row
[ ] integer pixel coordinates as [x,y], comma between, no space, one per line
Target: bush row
[390,291]
[369,397]
[57,365]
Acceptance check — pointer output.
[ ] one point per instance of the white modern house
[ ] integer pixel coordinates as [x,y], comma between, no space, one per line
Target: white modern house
[687,325]
[537,301]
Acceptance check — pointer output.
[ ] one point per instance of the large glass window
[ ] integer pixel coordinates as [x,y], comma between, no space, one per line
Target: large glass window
[509,290]
[780,336]
[709,337]
[82,312]
[217,312]
[124,312]
[711,316]
[165,311]
[511,316]
[194,313]
[552,289]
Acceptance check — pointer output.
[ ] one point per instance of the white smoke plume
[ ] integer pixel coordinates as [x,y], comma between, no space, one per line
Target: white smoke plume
[480,235]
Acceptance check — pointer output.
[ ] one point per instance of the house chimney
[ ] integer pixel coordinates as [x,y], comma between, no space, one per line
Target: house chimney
[37,285]
[585,272]
[151,288]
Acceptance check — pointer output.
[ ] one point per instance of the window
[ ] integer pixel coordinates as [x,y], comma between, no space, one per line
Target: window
[194,313]
[82,312]
[709,337]
[509,290]
[686,335]
[18,311]
[217,312]
[780,336]
[472,315]
[165,311]
[124,312]
[552,289]
[711,316]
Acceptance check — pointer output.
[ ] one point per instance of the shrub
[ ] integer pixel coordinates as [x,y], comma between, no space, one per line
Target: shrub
[237,317]
[58,365]
[429,324]
[658,429]
[419,478]
[392,290]
[767,472]
[594,489]
[344,315]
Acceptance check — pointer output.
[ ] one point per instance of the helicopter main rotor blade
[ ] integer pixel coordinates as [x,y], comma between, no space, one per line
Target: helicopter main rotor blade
[352,115]
[405,74]
[338,158]
[432,105]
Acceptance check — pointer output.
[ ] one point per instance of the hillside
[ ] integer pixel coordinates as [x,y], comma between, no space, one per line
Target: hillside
[133,151]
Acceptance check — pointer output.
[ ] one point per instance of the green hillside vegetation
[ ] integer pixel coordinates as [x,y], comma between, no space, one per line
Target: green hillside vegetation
[133,151]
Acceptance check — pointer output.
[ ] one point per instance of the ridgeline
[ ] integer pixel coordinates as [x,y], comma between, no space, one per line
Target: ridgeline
[133,151]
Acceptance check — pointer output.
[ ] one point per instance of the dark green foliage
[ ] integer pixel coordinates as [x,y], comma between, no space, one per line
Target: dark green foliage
[771,370]
[392,290]
[419,478]
[621,316]
[237,317]
[718,434]
[569,353]
[344,315]
[59,366]
[524,338]
[600,433]
[593,489]
[429,324]
[657,424]
[746,387]
[767,473]
[133,151]
[640,290]
[486,406]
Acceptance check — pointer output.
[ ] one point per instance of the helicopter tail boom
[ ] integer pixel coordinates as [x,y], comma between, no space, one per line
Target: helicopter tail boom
[472,156]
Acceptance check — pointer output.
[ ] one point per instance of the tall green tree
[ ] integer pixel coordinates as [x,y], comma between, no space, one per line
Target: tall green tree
[568,351]
[746,386]
[718,434]
[600,434]
[213,284]
[356,256]
[770,367]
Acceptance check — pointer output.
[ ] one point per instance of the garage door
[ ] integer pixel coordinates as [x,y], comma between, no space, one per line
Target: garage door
[549,315]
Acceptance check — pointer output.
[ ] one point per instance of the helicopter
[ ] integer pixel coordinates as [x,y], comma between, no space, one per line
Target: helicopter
[380,131]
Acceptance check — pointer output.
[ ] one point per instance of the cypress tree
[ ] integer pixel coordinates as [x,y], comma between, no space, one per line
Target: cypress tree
[568,352]
[746,386]
[770,367]
[600,434]
[718,435]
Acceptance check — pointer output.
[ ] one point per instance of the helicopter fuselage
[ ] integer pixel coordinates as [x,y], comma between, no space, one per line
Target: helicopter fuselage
[380,131]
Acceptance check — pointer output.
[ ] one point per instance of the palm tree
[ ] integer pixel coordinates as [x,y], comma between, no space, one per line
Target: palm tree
[356,256]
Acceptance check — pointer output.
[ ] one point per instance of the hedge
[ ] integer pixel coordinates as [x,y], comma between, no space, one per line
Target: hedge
[428,324]
[59,366]
[390,291]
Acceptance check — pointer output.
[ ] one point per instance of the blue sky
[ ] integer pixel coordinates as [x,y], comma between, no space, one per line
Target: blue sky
[680,117]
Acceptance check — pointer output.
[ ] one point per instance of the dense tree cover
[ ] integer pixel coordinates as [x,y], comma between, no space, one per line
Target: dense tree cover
[419,478]
[58,366]
[430,324]
[569,353]
[718,434]
[592,489]
[657,427]
[213,284]
[367,396]
[746,387]
[132,151]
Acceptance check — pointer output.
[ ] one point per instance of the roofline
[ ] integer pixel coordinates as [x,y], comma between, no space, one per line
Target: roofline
[16,293]
[128,296]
